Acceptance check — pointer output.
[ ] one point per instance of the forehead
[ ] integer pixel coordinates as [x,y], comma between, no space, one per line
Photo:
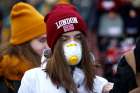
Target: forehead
[73,33]
[44,35]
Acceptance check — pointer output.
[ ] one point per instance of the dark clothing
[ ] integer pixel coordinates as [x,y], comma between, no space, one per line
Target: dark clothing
[137,55]
[5,89]
[124,80]
[131,23]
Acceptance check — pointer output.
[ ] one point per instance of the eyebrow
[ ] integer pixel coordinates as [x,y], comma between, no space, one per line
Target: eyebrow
[74,35]
[78,34]
[41,37]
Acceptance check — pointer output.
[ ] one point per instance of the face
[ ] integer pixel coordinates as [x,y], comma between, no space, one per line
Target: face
[72,47]
[39,44]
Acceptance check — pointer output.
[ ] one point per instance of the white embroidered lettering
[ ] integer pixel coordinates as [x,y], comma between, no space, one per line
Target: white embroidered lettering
[63,22]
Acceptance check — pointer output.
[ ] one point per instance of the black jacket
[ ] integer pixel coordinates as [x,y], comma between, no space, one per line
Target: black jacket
[124,80]
[5,89]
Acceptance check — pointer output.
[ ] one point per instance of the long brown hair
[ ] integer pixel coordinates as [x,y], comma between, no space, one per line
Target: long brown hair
[60,72]
[22,51]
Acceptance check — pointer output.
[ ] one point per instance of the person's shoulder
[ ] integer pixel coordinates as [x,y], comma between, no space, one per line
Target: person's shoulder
[35,72]
[7,59]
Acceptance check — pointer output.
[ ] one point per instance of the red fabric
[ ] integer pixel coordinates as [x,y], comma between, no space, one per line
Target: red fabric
[60,12]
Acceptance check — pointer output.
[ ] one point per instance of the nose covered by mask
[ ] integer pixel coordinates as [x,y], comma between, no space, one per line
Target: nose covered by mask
[72,52]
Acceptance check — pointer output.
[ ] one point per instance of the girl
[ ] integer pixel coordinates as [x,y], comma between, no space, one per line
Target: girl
[27,41]
[69,69]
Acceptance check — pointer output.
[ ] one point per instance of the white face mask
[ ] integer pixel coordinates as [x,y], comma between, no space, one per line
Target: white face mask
[72,52]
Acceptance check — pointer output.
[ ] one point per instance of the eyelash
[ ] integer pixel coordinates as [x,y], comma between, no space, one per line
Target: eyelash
[66,38]
[42,40]
[78,37]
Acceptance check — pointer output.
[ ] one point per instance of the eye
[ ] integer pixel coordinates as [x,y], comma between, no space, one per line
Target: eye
[42,40]
[78,37]
[64,38]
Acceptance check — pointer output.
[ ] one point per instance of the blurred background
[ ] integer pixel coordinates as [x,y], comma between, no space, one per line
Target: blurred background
[113,27]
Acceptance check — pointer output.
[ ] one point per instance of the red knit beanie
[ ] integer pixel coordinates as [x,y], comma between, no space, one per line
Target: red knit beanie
[61,19]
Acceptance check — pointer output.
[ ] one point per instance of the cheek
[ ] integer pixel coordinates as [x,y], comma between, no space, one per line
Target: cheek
[37,47]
